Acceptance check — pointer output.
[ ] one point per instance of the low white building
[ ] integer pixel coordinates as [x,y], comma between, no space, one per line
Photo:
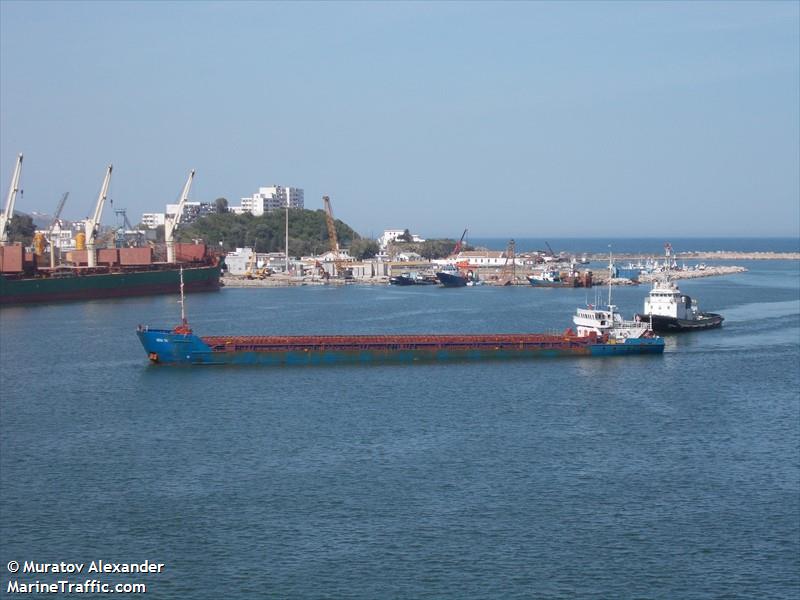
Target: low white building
[391,235]
[482,258]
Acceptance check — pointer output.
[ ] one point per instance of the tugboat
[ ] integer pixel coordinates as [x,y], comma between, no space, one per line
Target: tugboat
[670,311]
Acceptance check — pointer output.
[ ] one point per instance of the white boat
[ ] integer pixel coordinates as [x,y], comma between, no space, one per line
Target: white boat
[606,322]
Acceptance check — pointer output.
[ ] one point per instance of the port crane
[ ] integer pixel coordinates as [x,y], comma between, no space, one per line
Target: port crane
[338,262]
[93,224]
[508,276]
[8,214]
[51,229]
[459,244]
[171,223]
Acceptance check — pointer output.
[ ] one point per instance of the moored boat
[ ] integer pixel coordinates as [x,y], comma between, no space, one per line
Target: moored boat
[551,277]
[104,282]
[405,279]
[450,276]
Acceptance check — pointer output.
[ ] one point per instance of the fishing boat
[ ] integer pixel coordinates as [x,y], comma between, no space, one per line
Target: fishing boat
[181,346]
[551,277]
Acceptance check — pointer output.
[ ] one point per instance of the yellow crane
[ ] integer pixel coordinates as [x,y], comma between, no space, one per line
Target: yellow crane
[338,262]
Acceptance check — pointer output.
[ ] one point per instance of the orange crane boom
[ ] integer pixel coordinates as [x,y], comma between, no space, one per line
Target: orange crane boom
[341,270]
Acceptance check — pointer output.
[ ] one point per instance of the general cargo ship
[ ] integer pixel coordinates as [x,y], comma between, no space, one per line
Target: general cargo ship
[83,283]
[600,332]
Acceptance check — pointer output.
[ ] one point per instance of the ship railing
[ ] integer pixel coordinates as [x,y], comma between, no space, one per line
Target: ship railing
[387,343]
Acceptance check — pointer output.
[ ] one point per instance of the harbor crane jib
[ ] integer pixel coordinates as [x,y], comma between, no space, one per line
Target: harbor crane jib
[93,224]
[51,229]
[171,223]
[338,262]
[8,214]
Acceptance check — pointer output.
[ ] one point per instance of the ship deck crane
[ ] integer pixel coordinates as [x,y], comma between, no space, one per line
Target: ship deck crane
[93,224]
[338,262]
[171,223]
[52,228]
[8,214]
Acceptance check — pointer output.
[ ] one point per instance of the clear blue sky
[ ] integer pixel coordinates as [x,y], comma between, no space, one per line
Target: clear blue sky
[512,119]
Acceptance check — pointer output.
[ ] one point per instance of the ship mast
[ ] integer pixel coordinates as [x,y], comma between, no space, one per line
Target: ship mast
[6,217]
[171,223]
[93,224]
[610,273]
[182,301]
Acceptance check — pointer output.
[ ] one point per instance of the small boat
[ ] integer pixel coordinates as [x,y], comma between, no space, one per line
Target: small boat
[546,278]
[550,277]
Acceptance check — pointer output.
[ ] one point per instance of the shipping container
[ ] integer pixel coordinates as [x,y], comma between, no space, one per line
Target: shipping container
[135,256]
[11,258]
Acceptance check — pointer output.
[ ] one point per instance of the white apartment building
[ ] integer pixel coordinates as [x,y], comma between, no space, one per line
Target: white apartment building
[268,199]
[153,220]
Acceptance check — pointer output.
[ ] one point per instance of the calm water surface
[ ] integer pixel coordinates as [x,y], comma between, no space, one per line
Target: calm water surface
[648,477]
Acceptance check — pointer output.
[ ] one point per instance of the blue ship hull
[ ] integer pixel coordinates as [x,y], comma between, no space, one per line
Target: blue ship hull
[171,347]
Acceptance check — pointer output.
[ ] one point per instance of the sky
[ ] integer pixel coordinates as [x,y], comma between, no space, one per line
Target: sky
[571,119]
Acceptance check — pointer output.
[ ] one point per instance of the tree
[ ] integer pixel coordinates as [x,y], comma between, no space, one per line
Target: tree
[21,229]
[364,248]
[222,205]
[406,237]
[307,231]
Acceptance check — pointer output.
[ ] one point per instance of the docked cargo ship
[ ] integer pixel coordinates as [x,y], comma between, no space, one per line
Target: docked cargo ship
[117,281]
[90,272]
[600,333]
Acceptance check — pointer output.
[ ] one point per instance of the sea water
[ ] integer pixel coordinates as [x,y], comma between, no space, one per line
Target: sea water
[673,476]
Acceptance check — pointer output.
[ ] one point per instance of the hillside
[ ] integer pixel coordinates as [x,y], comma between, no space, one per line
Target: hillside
[308,231]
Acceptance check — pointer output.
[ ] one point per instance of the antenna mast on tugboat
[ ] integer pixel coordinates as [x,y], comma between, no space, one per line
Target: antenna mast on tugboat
[610,272]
